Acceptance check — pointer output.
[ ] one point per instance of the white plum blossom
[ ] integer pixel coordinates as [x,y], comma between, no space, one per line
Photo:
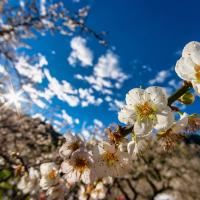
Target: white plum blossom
[79,167]
[29,183]
[93,191]
[99,192]
[131,147]
[188,66]
[177,127]
[107,180]
[82,193]
[172,135]
[146,110]
[122,146]
[72,144]
[49,175]
[180,125]
[110,161]
[136,146]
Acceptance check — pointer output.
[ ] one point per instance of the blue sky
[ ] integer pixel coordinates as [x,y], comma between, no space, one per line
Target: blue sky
[145,40]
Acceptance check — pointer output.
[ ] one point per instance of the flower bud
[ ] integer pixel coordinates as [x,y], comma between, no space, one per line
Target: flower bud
[187,98]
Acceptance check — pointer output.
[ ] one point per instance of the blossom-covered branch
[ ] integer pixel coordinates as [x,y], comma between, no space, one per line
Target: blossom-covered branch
[147,113]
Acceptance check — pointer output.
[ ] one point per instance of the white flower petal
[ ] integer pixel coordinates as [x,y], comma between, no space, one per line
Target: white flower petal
[165,119]
[88,176]
[192,49]
[131,147]
[64,151]
[107,147]
[33,174]
[185,69]
[134,96]
[45,184]
[143,128]
[196,87]
[73,177]
[46,168]
[189,47]
[180,125]
[66,167]
[126,116]
[157,94]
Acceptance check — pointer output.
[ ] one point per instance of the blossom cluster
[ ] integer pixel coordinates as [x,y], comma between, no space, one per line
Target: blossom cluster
[147,112]
[48,179]
[188,66]
[78,165]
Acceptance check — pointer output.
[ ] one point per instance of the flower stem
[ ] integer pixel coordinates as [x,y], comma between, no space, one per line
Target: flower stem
[176,95]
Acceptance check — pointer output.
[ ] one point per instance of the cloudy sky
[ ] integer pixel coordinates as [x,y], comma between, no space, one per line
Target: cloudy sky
[81,82]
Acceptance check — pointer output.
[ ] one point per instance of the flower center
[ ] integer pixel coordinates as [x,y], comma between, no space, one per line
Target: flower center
[110,158]
[81,164]
[197,74]
[145,111]
[89,188]
[98,191]
[52,174]
[74,146]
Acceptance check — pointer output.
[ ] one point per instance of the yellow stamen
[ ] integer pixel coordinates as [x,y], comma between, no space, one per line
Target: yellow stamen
[110,158]
[52,174]
[74,146]
[145,111]
[197,74]
[81,164]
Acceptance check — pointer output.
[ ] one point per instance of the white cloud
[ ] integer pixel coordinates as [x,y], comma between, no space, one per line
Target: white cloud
[97,83]
[39,115]
[22,3]
[3,71]
[63,91]
[94,130]
[178,52]
[57,123]
[106,74]
[68,119]
[33,72]
[87,97]
[65,119]
[80,52]
[43,7]
[77,121]
[147,68]
[86,134]
[175,84]
[98,123]
[76,1]
[42,61]
[160,77]
[115,105]
[108,98]
[35,95]
[39,103]
[108,67]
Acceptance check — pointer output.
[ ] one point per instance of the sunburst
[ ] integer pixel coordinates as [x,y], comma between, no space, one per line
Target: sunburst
[13,98]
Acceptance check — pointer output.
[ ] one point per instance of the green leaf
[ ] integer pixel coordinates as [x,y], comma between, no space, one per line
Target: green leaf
[4,174]
[5,185]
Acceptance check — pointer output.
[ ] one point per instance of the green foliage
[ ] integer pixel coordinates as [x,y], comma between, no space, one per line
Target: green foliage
[4,174]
